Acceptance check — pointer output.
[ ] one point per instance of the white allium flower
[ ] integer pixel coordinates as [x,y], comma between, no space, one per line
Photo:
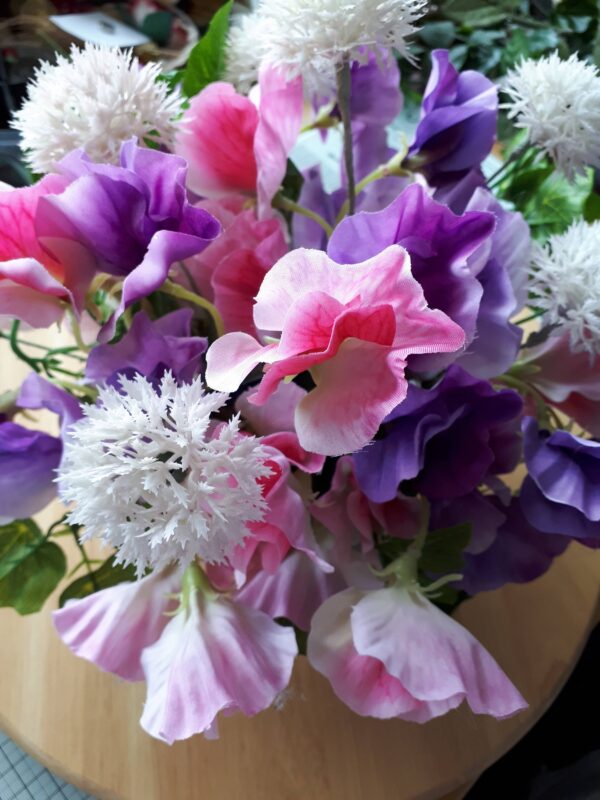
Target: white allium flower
[245,50]
[96,99]
[565,282]
[151,476]
[558,103]
[312,37]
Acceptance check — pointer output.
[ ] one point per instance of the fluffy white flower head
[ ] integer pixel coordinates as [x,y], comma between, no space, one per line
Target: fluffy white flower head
[558,103]
[245,49]
[565,282]
[96,99]
[151,475]
[312,37]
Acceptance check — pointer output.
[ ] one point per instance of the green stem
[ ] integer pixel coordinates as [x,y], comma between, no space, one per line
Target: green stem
[343,97]
[85,559]
[393,167]
[14,346]
[175,290]
[530,317]
[285,204]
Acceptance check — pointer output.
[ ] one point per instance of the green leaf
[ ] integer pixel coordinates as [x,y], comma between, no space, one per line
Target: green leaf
[107,574]
[30,566]
[591,210]
[556,204]
[438,34]
[443,549]
[474,14]
[207,60]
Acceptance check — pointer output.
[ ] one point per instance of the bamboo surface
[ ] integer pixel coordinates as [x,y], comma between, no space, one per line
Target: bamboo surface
[83,723]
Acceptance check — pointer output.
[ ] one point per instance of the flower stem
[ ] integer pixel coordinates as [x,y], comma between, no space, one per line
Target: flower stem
[392,167]
[14,346]
[285,204]
[343,96]
[175,290]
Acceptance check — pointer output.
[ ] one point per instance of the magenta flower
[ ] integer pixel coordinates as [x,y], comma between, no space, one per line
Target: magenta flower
[391,653]
[234,147]
[213,656]
[112,627]
[352,326]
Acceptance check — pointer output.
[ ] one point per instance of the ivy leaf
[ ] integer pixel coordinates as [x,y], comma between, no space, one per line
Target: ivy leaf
[30,566]
[207,60]
[556,204]
[443,549]
[108,574]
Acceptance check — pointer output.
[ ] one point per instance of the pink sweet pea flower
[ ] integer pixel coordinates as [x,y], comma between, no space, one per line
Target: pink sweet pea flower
[31,281]
[231,269]
[213,656]
[353,326]
[568,380]
[112,627]
[232,146]
[391,653]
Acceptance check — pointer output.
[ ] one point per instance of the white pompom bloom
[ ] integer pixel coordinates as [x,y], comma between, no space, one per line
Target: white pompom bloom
[151,475]
[96,99]
[565,283]
[558,103]
[312,37]
[245,50]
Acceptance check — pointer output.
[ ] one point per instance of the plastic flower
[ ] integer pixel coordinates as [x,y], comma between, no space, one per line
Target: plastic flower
[565,282]
[352,326]
[214,656]
[233,146]
[244,50]
[96,99]
[390,653]
[558,103]
[312,38]
[151,477]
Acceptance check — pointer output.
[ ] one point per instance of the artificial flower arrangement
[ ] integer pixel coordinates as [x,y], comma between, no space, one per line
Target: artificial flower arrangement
[290,410]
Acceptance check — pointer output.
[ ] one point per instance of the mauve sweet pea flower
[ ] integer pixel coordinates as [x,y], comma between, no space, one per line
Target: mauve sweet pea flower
[32,282]
[560,494]
[216,655]
[439,244]
[133,221]
[28,458]
[390,653]
[150,347]
[502,273]
[353,326]
[448,438]
[458,121]
[568,380]
[111,628]
[233,146]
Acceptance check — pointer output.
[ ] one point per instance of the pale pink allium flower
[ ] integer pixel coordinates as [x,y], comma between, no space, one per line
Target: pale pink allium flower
[234,146]
[392,653]
[352,326]
[110,628]
[214,656]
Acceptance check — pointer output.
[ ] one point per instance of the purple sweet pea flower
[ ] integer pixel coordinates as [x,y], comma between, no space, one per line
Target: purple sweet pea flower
[496,342]
[134,220]
[149,348]
[517,552]
[439,243]
[458,119]
[560,494]
[28,458]
[448,438]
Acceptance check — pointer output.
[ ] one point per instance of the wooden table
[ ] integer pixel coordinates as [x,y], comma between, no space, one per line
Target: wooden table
[83,723]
